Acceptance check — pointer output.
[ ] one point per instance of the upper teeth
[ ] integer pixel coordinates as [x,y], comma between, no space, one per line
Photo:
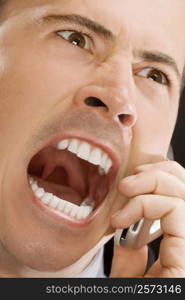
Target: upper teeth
[84,150]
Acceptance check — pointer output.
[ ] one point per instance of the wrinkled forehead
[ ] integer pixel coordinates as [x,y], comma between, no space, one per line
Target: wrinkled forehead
[162,11]
[165,15]
[157,7]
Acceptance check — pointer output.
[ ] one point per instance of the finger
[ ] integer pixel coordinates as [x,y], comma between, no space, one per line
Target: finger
[171,262]
[128,262]
[171,211]
[152,181]
[172,253]
[155,270]
[171,167]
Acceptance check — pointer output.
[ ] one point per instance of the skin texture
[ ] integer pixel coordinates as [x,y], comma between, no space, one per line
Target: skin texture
[44,81]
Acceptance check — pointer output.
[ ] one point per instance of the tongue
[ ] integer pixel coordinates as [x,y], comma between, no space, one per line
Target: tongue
[61,191]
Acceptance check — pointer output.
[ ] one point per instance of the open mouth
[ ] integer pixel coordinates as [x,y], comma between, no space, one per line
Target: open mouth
[72,177]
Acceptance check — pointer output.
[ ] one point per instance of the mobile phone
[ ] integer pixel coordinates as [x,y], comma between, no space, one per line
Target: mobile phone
[138,234]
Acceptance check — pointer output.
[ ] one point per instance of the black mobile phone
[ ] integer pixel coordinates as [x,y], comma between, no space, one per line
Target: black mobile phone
[138,234]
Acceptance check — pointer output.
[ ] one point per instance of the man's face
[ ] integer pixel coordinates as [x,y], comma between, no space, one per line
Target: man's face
[115,87]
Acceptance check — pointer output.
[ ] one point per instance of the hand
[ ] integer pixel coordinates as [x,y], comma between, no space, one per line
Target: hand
[157,191]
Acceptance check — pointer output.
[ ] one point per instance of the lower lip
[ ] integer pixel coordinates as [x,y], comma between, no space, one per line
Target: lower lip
[62,218]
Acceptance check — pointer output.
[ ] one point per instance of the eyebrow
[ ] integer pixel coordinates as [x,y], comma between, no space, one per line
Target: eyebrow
[75,19]
[82,21]
[157,56]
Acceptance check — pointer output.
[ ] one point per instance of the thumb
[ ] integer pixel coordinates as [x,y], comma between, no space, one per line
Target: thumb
[129,262]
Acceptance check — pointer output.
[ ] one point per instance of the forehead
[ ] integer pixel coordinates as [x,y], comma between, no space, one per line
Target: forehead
[158,9]
[166,8]
[163,14]
[156,25]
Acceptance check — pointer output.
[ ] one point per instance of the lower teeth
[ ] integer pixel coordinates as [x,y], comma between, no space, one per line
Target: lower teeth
[72,210]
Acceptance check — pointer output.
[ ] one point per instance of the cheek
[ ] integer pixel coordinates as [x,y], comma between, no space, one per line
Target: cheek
[35,86]
[152,133]
[60,71]
[44,77]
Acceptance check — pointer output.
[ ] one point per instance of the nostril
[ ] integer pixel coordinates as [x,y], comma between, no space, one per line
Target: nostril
[126,119]
[95,102]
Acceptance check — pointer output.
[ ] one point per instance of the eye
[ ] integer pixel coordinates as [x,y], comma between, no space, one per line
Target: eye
[155,75]
[76,38]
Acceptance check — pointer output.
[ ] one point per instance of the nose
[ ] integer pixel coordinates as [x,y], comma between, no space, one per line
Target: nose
[112,103]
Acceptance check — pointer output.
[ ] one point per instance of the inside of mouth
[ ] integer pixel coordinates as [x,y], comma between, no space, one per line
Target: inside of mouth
[68,177]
